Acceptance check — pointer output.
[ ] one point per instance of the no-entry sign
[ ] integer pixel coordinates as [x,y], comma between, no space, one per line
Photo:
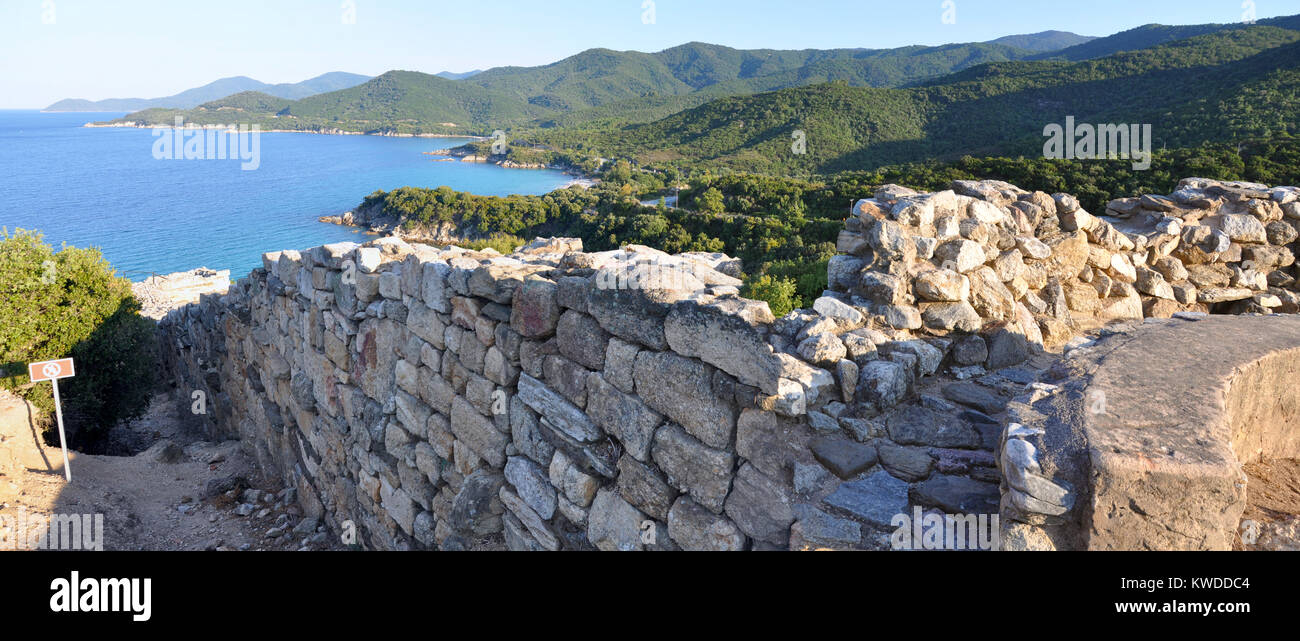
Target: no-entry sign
[51,370]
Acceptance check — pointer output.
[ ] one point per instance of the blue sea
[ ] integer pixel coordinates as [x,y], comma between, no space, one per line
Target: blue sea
[103,187]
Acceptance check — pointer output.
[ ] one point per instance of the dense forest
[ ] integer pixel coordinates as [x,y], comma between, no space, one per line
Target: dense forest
[784,229]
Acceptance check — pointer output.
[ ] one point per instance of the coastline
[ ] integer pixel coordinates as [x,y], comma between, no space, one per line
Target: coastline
[331,132]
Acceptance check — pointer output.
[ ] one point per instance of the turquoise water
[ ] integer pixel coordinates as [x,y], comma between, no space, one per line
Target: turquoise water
[103,187]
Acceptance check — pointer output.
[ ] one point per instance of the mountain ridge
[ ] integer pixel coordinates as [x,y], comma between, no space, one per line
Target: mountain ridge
[217,89]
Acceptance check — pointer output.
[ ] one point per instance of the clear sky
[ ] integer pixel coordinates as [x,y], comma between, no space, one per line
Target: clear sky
[95,49]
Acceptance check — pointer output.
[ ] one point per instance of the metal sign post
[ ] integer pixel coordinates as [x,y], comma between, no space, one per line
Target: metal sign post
[52,371]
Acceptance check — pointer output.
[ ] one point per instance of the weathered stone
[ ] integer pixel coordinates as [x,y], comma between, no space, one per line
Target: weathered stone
[574,485]
[1006,348]
[477,432]
[613,525]
[916,425]
[970,350]
[882,383]
[770,442]
[532,485]
[535,311]
[845,458]
[760,506]
[816,529]
[960,255]
[837,309]
[620,363]
[726,334]
[476,510]
[622,415]
[581,339]
[682,389]
[973,395]
[564,415]
[645,488]
[822,349]
[928,357]
[531,520]
[524,432]
[695,528]
[693,467]
[907,463]
[957,495]
[942,285]
[875,499]
[1243,229]
[948,317]
[636,313]
[566,377]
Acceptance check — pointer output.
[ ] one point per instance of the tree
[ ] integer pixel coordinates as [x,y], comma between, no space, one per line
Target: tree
[710,202]
[71,303]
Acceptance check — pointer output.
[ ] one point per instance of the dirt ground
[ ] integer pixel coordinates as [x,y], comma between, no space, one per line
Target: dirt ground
[182,493]
[1273,505]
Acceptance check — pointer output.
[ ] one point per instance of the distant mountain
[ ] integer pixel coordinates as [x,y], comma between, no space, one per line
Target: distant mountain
[1043,40]
[1233,84]
[594,81]
[451,75]
[603,88]
[191,98]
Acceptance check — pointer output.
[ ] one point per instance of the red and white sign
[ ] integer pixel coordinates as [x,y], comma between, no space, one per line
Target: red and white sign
[51,370]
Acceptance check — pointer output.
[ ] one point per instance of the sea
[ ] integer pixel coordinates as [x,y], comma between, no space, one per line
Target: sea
[153,211]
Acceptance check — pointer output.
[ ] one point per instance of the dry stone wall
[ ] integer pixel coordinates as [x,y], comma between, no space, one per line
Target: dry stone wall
[555,399]
[549,400]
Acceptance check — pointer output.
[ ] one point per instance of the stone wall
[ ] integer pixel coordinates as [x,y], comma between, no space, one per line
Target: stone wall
[555,399]
[548,400]
[986,256]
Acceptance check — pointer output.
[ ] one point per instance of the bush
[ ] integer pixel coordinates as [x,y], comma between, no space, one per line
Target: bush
[504,243]
[779,293]
[70,303]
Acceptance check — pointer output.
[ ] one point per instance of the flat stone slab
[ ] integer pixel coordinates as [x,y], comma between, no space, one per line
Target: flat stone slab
[1172,412]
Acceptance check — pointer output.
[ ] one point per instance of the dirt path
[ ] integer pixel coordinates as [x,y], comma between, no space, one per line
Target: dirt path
[161,498]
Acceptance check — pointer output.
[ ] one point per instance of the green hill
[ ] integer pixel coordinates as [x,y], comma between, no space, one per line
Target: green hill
[599,85]
[1228,85]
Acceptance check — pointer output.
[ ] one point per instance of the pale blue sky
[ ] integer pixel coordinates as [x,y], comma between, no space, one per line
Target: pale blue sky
[148,48]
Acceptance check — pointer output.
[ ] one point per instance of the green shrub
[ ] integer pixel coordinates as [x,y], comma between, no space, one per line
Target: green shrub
[504,243]
[779,293]
[70,303]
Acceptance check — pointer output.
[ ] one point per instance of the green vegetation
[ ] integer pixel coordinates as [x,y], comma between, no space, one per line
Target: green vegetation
[785,228]
[70,303]
[597,87]
[1233,85]
[778,293]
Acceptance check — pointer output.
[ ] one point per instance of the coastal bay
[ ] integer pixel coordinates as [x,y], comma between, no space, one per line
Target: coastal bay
[156,216]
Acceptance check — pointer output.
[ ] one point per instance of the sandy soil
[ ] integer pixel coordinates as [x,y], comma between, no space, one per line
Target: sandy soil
[162,498]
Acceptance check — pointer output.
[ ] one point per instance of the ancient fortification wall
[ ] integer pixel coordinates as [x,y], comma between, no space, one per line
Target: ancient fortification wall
[555,399]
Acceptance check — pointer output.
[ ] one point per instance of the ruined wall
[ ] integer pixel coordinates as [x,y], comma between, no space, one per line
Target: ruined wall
[987,255]
[555,399]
